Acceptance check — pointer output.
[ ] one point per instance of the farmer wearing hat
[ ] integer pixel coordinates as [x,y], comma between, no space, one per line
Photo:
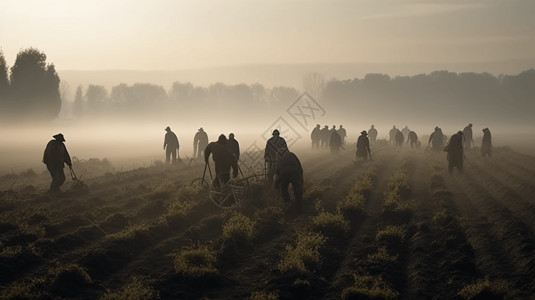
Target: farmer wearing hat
[55,158]
[170,145]
[200,141]
[273,145]
[363,145]
[289,170]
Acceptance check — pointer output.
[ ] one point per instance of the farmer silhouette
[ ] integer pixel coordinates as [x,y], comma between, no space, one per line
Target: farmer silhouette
[273,145]
[372,133]
[55,158]
[363,145]
[455,152]
[486,143]
[170,145]
[289,171]
[223,159]
[233,146]
[315,136]
[436,139]
[200,141]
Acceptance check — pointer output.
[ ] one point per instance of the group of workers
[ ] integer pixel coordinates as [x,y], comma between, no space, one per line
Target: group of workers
[282,166]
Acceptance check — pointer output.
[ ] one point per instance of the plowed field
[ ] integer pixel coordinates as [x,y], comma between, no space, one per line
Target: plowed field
[397,227]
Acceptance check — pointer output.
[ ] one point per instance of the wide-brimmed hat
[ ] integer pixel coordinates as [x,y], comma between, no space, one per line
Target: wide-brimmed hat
[59,137]
[364,132]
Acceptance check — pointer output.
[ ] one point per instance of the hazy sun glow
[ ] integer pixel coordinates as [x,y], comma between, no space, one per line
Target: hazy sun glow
[164,34]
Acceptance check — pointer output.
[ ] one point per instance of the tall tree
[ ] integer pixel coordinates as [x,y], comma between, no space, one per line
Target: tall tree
[4,84]
[35,86]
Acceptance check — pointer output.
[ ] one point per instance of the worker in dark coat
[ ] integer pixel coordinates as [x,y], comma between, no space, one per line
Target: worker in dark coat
[372,133]
[412,139]
[363,145]
[486,143]
[315,136]
[223,159]
[392,135]
[200,141]
[343,134]
[468,137]
[399,138]
[233,146]
[170,145]
[289,170]
[55,158]
[335,142]
[455,152]
[436,139]
[325,136]
[273,145]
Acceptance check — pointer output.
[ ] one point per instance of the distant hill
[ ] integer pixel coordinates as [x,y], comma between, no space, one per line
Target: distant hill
[280,74]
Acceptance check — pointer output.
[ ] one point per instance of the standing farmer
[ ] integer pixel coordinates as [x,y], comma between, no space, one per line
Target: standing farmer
[363,145]
[170,145]
[486,143]
[55,158]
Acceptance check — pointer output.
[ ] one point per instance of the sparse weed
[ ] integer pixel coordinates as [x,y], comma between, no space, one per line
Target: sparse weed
[351,205]
[318,206]
[69,280]
[485,289]
[32,289]
[179,208]
[11,252]
[397,194]
[327,222]
[400,183]
[72,270]
[304,254]
[317,191]
[265,295]
[270,213]
[238,226]
[138,289]
[382,255]
[38,231]
[369,287]
[130,232]
[442,217]
[196,262]
[391,235]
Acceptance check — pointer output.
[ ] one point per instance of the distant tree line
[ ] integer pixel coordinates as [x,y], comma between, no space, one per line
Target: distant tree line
[438,95]
[183,98]
[31,89]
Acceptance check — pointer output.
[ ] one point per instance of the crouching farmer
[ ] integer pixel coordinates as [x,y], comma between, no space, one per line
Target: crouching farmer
[288,171]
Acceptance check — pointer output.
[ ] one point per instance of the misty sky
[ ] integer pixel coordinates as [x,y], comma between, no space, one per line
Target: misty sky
[177,34]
